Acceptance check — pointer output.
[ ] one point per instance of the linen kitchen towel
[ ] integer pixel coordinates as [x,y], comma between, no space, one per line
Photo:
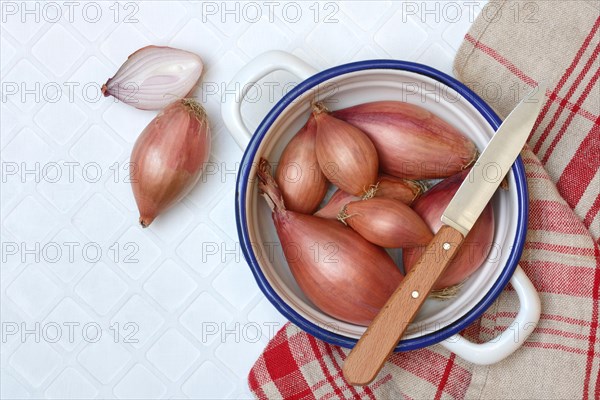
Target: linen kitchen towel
[503,56]
[509,49]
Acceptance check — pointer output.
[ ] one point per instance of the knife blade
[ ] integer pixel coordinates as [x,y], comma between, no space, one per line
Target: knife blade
[493,164]
[368,356]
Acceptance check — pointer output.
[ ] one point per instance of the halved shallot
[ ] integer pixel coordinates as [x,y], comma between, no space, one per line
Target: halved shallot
[411,141]
[340,272]
[155,76]
[298,174]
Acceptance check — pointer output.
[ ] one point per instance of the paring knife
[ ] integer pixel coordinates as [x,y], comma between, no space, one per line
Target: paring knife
[368,356]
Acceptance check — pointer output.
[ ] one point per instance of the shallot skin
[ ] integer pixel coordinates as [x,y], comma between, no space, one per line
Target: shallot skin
[298,174]
[340,272]
[387,223]
[168,157]
[475,247]
[411,141]
[404,190]
[154,76]
[346,155]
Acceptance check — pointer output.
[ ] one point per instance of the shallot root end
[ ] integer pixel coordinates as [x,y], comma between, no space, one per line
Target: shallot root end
[343,215]
[447,293]
[319,107]
[371,192]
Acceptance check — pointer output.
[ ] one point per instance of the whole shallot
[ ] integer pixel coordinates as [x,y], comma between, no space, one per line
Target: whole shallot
[388,186]
[155,76]
[386,222]
[298,174]
[476,245]
[168,157]
[340,272]
[411,141]
[346,155]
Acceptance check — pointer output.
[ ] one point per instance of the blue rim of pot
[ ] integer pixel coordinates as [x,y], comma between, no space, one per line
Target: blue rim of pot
[244,179]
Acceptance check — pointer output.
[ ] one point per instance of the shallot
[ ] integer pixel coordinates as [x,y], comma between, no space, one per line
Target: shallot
[340,272]
[411,141]
[168,157]
[476,245]
[346,155]
[155,76]
[298,174]
[386,222]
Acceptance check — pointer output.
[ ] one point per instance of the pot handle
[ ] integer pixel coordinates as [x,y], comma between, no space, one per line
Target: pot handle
[510,340]
[246,77]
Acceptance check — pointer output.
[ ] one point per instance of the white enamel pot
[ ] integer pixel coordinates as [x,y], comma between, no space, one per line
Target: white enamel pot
[360,82]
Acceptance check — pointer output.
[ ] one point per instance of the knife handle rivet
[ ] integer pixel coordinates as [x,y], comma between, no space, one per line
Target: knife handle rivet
[446,246]
[414,294]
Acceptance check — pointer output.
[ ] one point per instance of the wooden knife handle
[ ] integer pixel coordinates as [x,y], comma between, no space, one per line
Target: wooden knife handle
[370,353]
